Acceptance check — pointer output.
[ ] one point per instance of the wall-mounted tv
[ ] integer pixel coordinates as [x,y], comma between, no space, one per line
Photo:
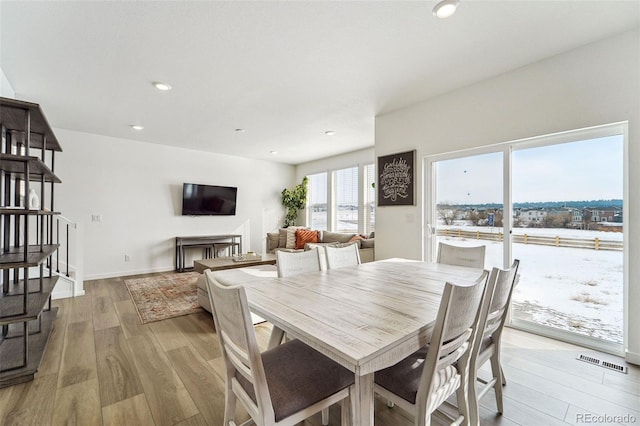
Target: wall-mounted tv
[204,200]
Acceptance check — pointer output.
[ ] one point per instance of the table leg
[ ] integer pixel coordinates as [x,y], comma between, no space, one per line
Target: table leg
[363,404]
[276,337]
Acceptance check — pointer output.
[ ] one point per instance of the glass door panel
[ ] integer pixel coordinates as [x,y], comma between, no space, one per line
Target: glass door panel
[568,236]
[469,204]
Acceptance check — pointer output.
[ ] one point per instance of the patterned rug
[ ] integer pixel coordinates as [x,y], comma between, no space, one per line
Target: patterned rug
[164,296]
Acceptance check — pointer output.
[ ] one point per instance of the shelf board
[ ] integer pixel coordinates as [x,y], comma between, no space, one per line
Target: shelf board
[23,211]
[12,303]
[14,258]
[14,164]
[12,116]
[11,353]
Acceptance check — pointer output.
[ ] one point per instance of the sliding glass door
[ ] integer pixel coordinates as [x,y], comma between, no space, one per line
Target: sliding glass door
[557,204]
[469,203]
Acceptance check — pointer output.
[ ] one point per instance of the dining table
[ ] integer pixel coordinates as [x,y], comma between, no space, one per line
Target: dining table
[365,317]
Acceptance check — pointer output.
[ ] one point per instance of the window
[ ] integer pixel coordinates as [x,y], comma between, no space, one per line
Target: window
[342,200]
[346,200]
[369,198]
[317,204]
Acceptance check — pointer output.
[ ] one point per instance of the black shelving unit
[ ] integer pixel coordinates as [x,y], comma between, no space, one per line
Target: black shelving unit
[26,239]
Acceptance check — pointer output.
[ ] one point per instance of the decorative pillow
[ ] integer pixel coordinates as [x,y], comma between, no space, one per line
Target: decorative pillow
[282,240]
[356,238]
[273,240]
[367,243]
[291,236]
[304,236]
[336,237]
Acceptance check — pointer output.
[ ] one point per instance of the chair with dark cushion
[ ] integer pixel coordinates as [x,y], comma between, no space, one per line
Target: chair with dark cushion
[282,386]
[420,383]
[489,336]
[471,257]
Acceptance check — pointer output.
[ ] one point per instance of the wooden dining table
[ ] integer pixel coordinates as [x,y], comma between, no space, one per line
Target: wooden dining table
[366,317]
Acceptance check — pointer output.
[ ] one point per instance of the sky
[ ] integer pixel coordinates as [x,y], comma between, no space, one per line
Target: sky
[585,170]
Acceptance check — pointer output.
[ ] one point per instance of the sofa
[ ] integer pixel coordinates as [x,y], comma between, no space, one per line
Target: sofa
[234,277]
[298,238]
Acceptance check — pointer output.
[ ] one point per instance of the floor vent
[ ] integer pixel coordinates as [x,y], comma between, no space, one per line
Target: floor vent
[606,364]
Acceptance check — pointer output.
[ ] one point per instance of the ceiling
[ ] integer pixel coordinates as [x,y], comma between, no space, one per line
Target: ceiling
[285,72]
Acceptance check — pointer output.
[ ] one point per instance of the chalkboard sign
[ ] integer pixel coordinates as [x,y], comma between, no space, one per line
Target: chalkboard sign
[396,179]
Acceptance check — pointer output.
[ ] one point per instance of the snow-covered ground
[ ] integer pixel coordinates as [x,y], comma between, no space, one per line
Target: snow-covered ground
[579,290]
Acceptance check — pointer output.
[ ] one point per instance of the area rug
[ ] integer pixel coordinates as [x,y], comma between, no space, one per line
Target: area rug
[164,296]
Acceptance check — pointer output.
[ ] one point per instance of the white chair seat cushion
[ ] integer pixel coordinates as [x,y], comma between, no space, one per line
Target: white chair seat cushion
[298,376]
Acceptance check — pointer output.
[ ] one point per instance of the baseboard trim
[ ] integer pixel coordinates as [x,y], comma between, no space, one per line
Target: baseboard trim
[632,357]
[127,273]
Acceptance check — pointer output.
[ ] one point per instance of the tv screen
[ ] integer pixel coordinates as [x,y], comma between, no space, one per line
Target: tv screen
[201,200]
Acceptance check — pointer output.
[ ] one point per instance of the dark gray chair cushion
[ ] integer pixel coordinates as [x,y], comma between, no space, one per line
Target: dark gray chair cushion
[403,378]
[298,376]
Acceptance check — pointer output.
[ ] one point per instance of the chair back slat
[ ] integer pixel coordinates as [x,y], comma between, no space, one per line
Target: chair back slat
[339,257]
[294,263]
[238,357]
[472,257]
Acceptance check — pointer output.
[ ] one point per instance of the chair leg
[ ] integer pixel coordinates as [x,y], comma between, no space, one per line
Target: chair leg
[345,412]
[496,370]
[229,407]
[474,406]
[325,416]
[504,379]
[462,397]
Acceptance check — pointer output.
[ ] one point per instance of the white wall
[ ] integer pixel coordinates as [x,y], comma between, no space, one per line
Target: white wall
[350,159]
[136,188]
[592,85]
[6,89]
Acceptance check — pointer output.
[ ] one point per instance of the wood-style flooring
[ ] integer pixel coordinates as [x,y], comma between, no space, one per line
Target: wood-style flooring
[102,367]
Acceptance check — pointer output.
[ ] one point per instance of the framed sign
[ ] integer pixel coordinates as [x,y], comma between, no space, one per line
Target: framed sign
[396,179]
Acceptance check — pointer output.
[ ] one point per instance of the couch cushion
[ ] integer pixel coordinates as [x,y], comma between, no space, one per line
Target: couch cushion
[282,240]
[336,237]
[273,241]
[304,236]
[367,243]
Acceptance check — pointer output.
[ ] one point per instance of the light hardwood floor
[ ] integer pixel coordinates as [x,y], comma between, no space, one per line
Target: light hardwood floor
[102,367]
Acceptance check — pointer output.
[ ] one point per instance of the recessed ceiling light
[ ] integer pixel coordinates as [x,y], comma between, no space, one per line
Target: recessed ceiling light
[137,127]
[329,133]
[274,152]
[161,86]
[240,130]
[445,8]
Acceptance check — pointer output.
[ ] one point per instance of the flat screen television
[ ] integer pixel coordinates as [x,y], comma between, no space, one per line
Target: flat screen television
[206,200]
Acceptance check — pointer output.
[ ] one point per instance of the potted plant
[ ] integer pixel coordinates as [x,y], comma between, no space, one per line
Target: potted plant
[294,200]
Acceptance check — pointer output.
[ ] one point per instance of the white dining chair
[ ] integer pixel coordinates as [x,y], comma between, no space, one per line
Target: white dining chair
[294,263]
[282,386]
[472,257]
[339,257]
[420,383]
[488,339]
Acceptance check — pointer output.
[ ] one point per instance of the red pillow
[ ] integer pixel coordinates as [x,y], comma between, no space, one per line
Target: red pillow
[304,236]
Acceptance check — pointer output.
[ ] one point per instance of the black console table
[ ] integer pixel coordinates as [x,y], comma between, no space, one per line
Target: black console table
[233,241]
